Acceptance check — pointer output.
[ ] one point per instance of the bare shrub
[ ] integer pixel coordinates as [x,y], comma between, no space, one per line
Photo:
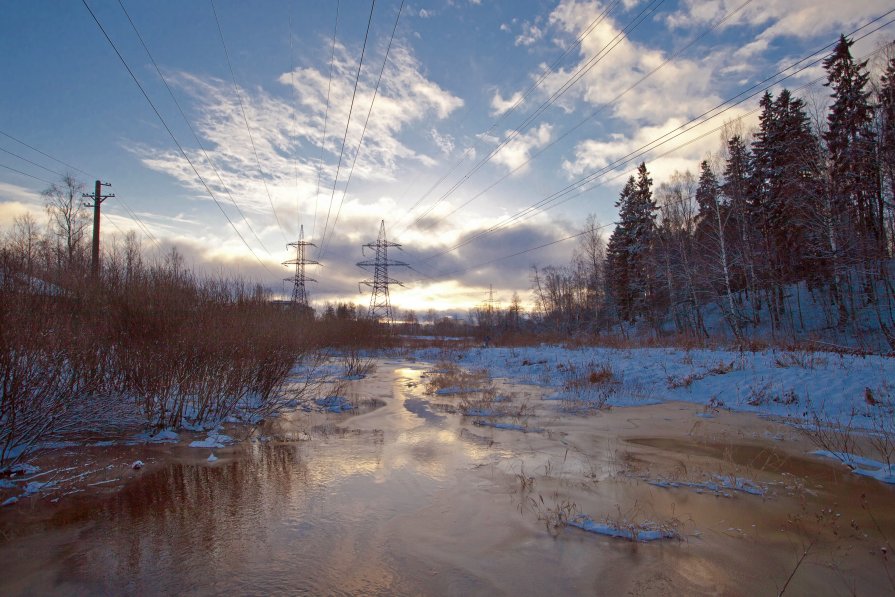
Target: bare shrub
[590,389]
[449,378]
[881,412]
[835,437]
[357,364]
[141,344]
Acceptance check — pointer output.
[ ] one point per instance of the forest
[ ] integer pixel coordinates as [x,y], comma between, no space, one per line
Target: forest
[790,222]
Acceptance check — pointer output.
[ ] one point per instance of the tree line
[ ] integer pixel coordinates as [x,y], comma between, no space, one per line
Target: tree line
[793,218]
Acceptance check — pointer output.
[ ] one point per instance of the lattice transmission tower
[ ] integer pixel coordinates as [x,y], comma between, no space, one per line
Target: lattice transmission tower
[380,305]
[299,290]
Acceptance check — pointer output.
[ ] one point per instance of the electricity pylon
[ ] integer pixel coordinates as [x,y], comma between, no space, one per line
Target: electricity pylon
[380,305]
[299,290]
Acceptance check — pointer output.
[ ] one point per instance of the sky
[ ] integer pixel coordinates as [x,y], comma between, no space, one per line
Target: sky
[482,132]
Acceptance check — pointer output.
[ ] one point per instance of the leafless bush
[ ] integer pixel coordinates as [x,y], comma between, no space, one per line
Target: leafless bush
[589,389]
[834,436]
[356,364]
[881,411]
[150,343]
[448,377]
[804,359]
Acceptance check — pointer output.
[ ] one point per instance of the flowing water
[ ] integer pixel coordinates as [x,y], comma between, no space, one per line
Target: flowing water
[409,497]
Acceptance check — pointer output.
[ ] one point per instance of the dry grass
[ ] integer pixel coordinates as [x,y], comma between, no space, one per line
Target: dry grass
[589,389]
[449,378]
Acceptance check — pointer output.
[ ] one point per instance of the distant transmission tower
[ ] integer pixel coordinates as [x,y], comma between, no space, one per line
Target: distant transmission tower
[299,291]
[380,306]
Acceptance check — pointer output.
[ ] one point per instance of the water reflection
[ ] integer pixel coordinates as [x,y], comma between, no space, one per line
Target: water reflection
[402,499]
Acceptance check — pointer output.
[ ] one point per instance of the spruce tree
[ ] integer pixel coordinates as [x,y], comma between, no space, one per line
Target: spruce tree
[786,175]
[737,188]
[856,202]
[628,254]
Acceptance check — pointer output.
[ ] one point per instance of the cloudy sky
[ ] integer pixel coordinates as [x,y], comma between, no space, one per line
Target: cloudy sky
[496,127]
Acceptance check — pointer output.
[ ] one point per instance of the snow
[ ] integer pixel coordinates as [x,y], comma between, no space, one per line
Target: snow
[138,464]
[866,467]
[36,486]
[456,390]
[212,458]
[634,532]
[482,412]
[162,437]
[9,501]
[771,382]
[214,440]
[24,469]
[334,404]
[720,486]
[508,426]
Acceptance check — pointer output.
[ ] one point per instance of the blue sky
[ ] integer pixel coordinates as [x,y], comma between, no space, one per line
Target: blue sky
[454,70]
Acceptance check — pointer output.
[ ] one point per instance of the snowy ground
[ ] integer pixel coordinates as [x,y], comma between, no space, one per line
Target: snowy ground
[781,383]
[810,390]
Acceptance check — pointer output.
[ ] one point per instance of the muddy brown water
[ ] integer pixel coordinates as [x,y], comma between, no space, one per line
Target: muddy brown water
[408,497]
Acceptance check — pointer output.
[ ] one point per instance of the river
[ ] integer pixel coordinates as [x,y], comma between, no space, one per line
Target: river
[408,497]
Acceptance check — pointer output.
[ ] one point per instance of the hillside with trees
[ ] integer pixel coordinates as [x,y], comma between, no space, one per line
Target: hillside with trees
[787,234]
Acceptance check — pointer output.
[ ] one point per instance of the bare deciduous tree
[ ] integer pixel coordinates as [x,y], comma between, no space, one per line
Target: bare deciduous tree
[68,216]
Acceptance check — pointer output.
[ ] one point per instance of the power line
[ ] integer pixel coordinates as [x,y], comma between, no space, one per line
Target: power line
[347,123]
[121,201]
[608,168]
[173,138]
[190,126]
[24,159]
[292,129]
[529,250]
[140,223]
[66,164]
[366,122]
[329,85]
[667,137]
[547,70]
[25,174]
[246,120]
[599,110]
[533,116]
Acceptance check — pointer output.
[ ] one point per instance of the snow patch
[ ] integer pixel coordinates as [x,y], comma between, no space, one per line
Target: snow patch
[214,440]
[866,467]
[643,532]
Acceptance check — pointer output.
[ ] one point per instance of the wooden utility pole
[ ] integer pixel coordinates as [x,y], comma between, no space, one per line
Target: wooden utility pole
[98,199]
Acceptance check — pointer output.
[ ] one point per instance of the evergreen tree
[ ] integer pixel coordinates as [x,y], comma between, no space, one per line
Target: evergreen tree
[737,188]
[630,278]
[786,176]
[856,201]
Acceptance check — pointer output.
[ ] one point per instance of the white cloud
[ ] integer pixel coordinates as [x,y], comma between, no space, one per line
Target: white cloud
[444,142]
[288,141]
[592,155]
[504,27]
[796,18]
[516,152]
[679,88]
[499,105]
[425,14]
[531,33]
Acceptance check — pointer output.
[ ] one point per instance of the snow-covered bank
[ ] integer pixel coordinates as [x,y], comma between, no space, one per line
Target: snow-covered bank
[781,383]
